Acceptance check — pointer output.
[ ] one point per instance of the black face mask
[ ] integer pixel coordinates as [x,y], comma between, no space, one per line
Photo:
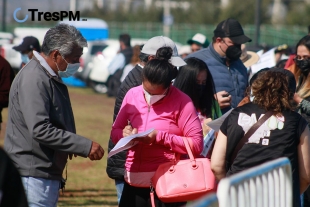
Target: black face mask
[200,89]
[303,65]
[233,52]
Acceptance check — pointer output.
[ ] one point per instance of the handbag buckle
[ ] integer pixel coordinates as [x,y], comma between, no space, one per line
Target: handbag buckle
[171,169]
[194,165]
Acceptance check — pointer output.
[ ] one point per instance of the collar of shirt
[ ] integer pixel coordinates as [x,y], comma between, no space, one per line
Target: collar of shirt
[140,65]
[44,63]
[216,55]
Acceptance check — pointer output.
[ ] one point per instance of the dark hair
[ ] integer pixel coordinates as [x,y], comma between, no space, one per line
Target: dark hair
[125,38]
[271,91]
[281,63]
[160,71]
[254,77]
[144,57]
[304,41]
[214,39]
[135,56]
[186,82]
[303,88]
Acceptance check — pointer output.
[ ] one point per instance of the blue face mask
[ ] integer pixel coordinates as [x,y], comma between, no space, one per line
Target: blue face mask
[25,58]
[70,70]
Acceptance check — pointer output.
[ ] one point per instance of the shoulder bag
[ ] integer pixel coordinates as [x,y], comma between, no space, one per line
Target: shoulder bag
[183,180]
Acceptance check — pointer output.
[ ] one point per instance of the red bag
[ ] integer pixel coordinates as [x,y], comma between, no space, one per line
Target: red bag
[184,180]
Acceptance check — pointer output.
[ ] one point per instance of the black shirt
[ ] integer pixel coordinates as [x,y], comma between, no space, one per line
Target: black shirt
[274,144]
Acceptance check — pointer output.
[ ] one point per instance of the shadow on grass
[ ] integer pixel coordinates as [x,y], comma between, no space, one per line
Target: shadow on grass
[88,197]
[87,202]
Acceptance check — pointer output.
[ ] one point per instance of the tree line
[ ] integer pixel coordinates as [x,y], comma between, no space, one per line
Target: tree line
[292,12]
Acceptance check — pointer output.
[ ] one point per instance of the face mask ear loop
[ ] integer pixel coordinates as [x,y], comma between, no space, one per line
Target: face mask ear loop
[65,61]
[56,65]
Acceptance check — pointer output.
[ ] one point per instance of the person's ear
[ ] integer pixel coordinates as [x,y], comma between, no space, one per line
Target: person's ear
[218,39]
[151,57]
[54,55]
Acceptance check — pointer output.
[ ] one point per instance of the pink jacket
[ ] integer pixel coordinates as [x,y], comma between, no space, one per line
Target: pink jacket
[173,116]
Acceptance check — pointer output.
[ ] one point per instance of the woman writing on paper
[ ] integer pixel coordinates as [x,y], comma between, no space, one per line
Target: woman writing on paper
[159,105]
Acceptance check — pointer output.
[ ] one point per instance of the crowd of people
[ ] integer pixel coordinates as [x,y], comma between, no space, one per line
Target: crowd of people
[155,87]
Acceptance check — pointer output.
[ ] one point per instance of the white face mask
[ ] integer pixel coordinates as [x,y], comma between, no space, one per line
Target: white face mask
[70,70]
[151,99]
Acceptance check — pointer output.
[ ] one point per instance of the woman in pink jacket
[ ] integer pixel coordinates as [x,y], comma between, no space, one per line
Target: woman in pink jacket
[159,105]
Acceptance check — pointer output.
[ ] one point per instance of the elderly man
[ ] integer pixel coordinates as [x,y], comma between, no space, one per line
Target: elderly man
[40,133]
[222,57]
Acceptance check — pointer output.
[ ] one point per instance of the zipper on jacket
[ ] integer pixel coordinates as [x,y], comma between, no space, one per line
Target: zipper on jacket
[237,81]
[141,146]
[147,116]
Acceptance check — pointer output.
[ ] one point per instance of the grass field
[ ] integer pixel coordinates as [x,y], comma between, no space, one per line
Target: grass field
[88,184]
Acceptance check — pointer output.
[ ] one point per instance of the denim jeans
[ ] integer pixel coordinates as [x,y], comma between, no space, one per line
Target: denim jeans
[41,192]
[119,184]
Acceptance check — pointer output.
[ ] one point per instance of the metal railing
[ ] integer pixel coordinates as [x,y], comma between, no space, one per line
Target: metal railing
[269,184]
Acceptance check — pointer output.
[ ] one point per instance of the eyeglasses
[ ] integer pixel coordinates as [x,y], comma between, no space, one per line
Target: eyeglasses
[302,58]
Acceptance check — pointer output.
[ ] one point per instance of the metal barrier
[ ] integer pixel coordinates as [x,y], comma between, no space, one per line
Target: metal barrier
[209,200]
[269,184]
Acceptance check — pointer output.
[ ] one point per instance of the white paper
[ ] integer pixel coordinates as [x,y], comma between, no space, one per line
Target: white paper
[266,60]
[127,142]
[216,124]
[207,142]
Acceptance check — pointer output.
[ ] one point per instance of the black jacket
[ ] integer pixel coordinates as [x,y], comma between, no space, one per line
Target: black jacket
[128,52]
[115,165]
[11,186]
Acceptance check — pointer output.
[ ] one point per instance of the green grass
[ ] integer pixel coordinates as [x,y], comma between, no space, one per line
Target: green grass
[87,184]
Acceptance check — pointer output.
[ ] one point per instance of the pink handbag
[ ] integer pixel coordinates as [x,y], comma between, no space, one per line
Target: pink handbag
[184,180]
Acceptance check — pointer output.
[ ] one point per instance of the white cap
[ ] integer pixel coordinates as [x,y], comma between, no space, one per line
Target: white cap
[198,38]
[185,49]
[153,44]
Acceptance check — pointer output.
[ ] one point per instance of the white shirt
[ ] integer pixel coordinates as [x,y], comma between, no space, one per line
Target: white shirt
[44,63]
[118,62]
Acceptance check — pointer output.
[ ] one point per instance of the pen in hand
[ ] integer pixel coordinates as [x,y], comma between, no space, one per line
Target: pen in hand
[128,122]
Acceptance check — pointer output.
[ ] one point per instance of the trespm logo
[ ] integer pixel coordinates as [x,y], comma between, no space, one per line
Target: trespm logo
[48,16]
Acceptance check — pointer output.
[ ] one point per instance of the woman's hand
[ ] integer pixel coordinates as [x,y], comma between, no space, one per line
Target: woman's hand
[128,130]
[148,139]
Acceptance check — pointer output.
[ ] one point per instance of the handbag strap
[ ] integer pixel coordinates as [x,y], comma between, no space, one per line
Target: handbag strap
[188,148]
[249,133]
